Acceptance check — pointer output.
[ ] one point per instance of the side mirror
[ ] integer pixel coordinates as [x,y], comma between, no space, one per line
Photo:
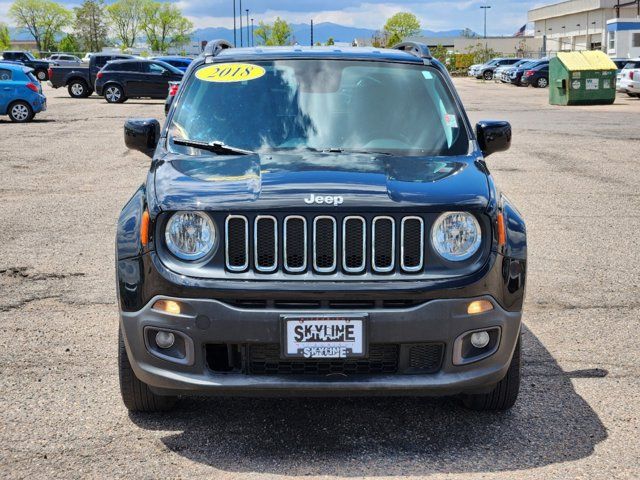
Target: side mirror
[142,134]
[493,136]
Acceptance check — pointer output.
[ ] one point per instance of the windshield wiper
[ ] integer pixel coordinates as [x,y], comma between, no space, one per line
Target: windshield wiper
[345,150]
[219,148]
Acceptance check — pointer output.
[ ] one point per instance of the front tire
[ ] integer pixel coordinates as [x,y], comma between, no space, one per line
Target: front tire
[114,94]
[20,112]
[505,393]
[136,395]
[79,89]
[488,75]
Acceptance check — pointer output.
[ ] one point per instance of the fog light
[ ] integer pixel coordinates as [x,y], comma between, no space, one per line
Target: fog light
[167,339]
[479,306]
[480,339]
[168,306]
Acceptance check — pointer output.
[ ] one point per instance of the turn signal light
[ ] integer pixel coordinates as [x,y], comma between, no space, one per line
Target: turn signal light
[144,229]
[479,306]
[502,233]
[168,306]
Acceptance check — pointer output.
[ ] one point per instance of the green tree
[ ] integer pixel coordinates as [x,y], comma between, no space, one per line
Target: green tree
[90,25]
[5,39]
[263,33]
[401,26]
[43,19]
[330,41]
[278,33]
[125,17]
[165,26]
[69,43]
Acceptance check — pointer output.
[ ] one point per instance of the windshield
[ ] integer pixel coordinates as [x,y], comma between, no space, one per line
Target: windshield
[29,55]
[320,105]
[169,67]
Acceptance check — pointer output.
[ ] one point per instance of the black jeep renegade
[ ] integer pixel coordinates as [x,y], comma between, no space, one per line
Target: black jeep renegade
[319,221]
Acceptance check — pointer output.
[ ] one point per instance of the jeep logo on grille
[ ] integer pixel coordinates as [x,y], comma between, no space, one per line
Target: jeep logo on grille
[324,200]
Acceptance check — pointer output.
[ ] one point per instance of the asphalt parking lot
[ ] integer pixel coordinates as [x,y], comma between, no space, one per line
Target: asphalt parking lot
[574,173]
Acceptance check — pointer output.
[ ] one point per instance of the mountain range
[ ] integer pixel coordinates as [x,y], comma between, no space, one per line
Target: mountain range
[321,33]
[301,33]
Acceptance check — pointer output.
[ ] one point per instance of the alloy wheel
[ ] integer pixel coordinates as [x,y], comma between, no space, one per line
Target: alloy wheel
[113,94]
[20,112]
[77,89]
[41,75]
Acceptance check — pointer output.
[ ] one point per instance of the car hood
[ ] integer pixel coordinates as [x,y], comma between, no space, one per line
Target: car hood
[287,181]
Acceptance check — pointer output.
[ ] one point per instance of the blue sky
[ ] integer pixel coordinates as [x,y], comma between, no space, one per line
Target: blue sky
[504,18]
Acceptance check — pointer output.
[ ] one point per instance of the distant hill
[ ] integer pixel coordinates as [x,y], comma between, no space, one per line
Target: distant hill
[301,32]
[321,33]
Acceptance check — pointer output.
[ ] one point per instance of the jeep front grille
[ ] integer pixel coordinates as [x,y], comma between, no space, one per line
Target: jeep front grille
[325,244]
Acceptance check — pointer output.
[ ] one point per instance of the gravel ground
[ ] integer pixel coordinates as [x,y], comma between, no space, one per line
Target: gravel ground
[572,171]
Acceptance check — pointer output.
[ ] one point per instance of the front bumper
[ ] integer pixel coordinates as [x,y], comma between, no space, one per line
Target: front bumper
[441,321]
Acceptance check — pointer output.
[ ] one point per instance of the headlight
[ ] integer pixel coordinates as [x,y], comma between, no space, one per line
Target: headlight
[456,236]
[190,235]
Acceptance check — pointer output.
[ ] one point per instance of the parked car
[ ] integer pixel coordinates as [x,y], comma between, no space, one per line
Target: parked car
[288,241]
[473,69]
[486,71]
[633,87]
[537,76]
[516,74]
[64,59]
[173,91]
[80,79]
[624,79]
[21,95]
[28,60]
[503,73]
[137,78]
[181,63]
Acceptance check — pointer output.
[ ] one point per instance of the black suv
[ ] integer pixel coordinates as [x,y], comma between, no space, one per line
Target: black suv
[40,67]
[319,221]
[135,78]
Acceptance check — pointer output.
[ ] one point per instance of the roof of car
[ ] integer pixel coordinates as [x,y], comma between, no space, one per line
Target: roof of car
[15,67]
[169,57]
[343,53]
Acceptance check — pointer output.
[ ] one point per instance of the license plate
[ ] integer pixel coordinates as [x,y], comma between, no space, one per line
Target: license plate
[314,337]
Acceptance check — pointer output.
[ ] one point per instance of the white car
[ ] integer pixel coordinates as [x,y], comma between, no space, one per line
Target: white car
[633,85]
[64,59]
[626,78]
[473,69]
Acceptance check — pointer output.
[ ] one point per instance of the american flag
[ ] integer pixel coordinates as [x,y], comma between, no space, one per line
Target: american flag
[520,33]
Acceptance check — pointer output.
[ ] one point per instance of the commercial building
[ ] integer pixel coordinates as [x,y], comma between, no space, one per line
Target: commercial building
[517,46]
[588,25]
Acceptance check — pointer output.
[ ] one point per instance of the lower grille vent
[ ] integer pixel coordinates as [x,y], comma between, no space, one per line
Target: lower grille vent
[265,360]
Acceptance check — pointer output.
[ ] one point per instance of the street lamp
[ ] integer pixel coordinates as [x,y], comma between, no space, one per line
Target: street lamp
[248,40]
[235,42]
[486,45]
[485,8]
[253,42]
[241,24]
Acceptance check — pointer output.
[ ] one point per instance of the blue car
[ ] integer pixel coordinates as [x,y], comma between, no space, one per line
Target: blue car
[181,63]
[20,93]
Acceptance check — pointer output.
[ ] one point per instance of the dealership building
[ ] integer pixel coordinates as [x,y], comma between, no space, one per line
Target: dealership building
[612,26]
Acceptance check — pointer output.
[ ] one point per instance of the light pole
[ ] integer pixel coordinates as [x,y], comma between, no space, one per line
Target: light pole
[235,41]
[248,40]
[240,11]
[486,45]
[485,8]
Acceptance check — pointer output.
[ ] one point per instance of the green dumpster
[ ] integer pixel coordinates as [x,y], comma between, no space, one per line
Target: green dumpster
[582,78]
